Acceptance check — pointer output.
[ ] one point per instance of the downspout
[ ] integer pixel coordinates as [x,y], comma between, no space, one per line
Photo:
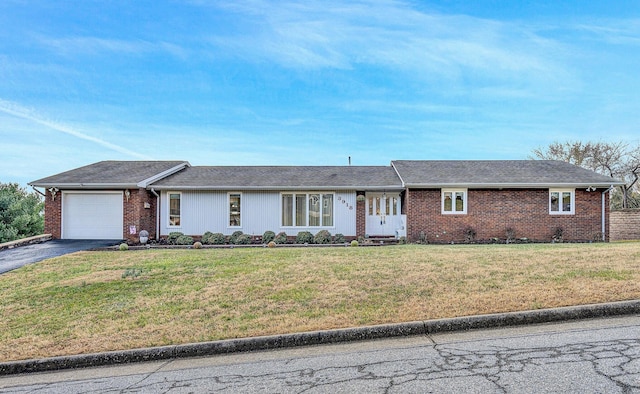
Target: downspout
[157,213]
[604,236]
[38,191]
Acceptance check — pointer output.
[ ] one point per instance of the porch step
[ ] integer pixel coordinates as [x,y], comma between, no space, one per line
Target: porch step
[382,239]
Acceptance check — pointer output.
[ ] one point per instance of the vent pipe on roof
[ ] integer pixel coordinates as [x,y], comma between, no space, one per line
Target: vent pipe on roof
[349,160]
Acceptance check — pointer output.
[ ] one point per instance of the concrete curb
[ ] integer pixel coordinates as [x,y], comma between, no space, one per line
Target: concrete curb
[26,241]
[322,337]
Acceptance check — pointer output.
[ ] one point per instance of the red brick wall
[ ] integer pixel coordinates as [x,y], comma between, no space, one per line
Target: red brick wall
[360,218]
[135,214]
[53,214]
[625,224]
[491,212]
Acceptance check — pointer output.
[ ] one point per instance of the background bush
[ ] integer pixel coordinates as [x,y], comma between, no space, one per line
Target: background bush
[243,239]
[173,237]
[234,237]
[322,237]
[339,239]
[268,236]
[304,237]
[184,240]
[281,238]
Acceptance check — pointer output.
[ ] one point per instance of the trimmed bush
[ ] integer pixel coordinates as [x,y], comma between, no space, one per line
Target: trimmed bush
[281,238]
[243,239]
[354,243]
[213,238]
[173,237]
[184,240]
[271,244]
[197,245]
[339,239]
[268,236]
[123,247]
[322,237]
[304,237]
[234,237]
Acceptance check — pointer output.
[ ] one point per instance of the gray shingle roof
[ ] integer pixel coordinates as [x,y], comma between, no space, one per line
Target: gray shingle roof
[282,178]
[497,173]
[109,174]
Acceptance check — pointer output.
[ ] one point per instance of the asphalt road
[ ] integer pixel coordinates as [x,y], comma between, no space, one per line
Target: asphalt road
[11,259]
[589,356]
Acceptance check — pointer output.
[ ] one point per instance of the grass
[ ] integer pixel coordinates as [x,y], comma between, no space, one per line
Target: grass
[99,301]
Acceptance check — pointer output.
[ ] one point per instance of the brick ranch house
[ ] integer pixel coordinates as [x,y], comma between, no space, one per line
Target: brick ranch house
[437,201]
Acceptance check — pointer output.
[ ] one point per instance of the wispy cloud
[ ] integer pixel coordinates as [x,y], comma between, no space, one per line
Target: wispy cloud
[95,45]
[390,34]
[19,111]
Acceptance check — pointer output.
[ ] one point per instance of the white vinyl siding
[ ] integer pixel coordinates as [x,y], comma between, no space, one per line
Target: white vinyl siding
[203,211]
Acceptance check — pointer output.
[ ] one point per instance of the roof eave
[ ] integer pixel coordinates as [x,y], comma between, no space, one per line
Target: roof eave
[88,186]
[575,185]
[279,188]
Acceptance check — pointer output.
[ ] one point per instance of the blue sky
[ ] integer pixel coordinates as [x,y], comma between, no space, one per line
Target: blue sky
[310,82]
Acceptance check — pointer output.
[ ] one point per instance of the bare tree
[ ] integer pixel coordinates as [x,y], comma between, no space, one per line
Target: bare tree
[615,159]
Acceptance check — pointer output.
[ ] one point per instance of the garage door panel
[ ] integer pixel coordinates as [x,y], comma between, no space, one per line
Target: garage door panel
[92,216]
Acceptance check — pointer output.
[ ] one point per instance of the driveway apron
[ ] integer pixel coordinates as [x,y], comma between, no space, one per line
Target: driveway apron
[11,259]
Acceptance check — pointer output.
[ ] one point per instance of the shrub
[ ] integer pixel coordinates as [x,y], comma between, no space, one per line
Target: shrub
[197,245]
[304,237]
[243,239]
[184,240]
[322,237]
[510,233]
[268,236]
[557,234]
[210,238]
[354,243]
[339,239]
[206,238]
[271,244]
[173,237]
[234,237]
[470,235]
[281,238]
[402,240]
[123,247]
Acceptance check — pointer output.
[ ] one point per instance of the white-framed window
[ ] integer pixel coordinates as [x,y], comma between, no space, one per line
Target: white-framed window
[562,201]
[454,201]
[175,208]
[307,209]
[235,210]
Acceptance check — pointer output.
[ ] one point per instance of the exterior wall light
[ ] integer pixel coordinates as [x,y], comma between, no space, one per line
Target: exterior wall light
[53,191]
[127,194]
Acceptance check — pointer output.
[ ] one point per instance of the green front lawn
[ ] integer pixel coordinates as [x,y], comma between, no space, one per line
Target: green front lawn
[99,301]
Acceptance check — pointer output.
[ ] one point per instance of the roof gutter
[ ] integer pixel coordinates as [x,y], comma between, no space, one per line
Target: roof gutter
[404,185]
[512,185]
[278,188]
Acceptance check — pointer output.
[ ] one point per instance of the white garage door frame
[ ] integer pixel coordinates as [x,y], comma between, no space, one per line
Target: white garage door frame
[92,215]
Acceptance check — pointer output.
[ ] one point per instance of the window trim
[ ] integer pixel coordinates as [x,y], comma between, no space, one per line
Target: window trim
[307,195]
[465,195]
[229,209]
[169,225]
[572,192]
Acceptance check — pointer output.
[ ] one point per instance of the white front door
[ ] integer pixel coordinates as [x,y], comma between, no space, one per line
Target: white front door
[383,211]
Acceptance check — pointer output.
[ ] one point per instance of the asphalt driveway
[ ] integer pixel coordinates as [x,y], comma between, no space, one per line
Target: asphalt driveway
[11,259]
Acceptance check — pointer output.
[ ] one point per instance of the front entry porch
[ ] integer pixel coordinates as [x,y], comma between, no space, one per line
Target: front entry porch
[383,215]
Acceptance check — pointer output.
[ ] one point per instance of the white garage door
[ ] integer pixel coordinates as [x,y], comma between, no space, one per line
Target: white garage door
[92,215]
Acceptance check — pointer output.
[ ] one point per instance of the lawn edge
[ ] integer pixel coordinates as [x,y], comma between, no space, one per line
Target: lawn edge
[270,342]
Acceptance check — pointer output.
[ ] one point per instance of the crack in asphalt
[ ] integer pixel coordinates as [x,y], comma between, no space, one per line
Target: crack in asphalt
[616,360]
